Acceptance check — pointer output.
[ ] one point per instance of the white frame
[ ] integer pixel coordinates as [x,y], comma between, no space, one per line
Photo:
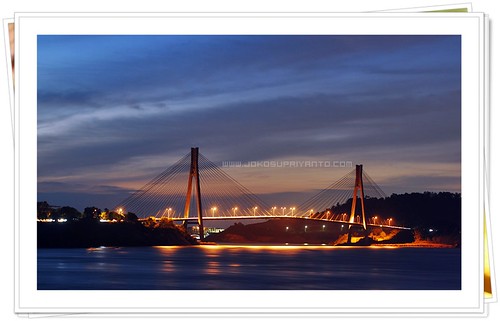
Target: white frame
[467,300]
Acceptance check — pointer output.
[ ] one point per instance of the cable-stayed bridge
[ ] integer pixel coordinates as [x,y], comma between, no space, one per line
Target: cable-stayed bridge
[195,189]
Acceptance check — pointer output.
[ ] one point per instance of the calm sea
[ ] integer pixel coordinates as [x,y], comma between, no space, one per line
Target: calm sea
[233,267]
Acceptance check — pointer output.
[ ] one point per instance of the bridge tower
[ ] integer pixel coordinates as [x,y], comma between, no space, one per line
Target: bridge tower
[194,174]
[358,186]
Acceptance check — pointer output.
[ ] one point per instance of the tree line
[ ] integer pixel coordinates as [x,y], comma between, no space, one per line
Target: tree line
[46,211]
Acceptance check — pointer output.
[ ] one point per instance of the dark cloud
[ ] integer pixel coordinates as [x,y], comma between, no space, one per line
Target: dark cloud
[79,187]
[139,69]
[422,183]
[112,114]
[288,127]
[54,99]
[81,195]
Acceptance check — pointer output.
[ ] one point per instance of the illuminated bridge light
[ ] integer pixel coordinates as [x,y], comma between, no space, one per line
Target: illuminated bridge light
[225,197]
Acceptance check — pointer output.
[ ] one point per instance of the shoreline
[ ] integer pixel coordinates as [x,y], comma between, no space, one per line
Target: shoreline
[283,245]
[418,245]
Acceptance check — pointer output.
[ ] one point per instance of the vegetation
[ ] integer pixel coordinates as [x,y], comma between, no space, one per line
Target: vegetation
[433,217]
[86,229]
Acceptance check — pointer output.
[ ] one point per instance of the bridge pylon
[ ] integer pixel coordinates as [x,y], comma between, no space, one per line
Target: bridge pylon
[358,186]
[194,174]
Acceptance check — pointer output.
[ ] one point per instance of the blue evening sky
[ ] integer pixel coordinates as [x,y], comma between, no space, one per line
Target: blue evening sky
[114,111]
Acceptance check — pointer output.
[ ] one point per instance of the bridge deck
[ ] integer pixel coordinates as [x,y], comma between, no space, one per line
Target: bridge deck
[260,217]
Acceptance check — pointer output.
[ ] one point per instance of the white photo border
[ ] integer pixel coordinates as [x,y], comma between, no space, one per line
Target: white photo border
[487,168]
[468,300]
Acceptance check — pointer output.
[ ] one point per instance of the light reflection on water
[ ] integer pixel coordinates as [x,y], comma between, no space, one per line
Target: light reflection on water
[168,266]
[244,267]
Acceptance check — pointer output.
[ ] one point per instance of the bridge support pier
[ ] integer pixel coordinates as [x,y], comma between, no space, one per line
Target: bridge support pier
[194,174]
[358,186]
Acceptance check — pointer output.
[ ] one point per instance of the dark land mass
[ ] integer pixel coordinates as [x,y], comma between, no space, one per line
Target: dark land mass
[434,218]
[421,211]
[95,234]
[294,231]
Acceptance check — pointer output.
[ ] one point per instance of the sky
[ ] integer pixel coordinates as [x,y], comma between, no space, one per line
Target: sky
[115,111]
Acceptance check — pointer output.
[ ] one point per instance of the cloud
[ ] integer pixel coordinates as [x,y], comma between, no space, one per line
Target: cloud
[266,129]
[423,183]
[115,110]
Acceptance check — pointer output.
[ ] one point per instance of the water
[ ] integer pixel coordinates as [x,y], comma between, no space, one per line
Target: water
[249,268]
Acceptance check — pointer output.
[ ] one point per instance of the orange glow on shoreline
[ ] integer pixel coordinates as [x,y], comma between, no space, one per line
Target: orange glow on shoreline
[215,247]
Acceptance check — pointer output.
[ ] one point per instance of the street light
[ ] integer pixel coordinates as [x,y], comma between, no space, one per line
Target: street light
[283,209]
[287,228]
[169,210]
[234,211]
[273,208]
[293,209]
[311,212]
[375,220]
[305,228]
[213,210]
[327,215]
[254,209]
[390,220]
[323,227]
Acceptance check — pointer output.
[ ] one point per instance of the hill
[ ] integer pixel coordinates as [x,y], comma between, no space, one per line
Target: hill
[95,234]
[434,218]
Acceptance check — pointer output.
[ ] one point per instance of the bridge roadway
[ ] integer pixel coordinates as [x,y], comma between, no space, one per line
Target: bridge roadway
[260,217]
